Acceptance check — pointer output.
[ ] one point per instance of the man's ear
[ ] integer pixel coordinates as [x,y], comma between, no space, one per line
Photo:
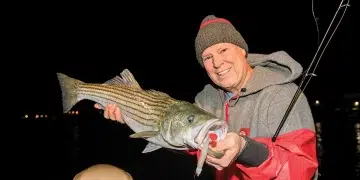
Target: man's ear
[243,52]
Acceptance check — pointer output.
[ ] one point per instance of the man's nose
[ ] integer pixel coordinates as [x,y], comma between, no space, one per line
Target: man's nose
[217,61]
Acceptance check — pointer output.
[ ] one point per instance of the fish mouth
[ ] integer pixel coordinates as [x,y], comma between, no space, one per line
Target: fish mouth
[200,134]
[216,126]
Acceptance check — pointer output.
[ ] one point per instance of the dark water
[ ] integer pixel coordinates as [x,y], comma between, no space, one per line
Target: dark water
[58,148]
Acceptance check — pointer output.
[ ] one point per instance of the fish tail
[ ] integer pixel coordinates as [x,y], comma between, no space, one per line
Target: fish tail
[69,88]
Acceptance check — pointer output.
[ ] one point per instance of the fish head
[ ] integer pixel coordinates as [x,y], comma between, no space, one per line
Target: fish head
[187,125]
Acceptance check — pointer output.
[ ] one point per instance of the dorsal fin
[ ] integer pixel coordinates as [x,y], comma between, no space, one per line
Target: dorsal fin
[115,80]
[126,78]
[130,79]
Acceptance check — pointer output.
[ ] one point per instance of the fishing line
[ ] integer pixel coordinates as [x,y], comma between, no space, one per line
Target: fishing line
[346,6]
[307,74]
[316,23]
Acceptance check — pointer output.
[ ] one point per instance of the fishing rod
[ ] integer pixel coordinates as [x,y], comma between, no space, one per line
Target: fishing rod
[306,74]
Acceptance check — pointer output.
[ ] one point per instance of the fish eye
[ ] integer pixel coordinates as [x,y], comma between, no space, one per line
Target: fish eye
[191,118]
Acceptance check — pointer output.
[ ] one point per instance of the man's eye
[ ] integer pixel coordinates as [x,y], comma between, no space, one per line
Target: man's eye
[223,50]
[206,58]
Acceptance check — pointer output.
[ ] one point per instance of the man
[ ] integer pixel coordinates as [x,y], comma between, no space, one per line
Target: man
[252,93]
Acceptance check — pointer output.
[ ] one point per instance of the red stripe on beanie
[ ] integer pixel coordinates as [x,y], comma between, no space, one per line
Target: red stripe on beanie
[214,21]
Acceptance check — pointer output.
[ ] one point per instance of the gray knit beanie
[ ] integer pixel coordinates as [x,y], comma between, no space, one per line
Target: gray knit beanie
[215,30]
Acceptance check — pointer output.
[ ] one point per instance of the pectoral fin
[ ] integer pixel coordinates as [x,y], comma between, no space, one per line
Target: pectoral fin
[145,134]
[151,147]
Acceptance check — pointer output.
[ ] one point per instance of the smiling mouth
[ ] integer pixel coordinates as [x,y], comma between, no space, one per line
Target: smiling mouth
[223,72]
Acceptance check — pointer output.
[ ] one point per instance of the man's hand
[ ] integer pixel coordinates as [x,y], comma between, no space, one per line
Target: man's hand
[112,112]
[231,146]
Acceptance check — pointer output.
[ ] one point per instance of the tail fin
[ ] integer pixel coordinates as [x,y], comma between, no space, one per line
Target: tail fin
[68,87]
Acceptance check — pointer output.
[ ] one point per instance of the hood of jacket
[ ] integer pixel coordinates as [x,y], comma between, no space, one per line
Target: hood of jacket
[270,69]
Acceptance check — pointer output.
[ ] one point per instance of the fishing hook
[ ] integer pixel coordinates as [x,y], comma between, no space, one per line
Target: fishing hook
[307,74]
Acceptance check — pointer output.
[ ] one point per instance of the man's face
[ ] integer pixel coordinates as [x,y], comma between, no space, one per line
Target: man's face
[225,64]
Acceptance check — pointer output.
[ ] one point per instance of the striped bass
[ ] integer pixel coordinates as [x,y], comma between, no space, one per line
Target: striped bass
[163,121]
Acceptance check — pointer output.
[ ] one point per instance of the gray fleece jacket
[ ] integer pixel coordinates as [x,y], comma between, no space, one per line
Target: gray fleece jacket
[262,103]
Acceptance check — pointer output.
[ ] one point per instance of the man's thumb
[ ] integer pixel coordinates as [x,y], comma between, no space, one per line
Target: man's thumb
[97,106]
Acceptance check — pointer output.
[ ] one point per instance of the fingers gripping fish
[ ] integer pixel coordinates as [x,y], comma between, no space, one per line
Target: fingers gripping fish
[163,121]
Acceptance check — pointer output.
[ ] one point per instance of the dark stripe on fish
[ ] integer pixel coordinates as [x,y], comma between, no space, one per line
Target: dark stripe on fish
[130,97]
[144,116]
[151,98]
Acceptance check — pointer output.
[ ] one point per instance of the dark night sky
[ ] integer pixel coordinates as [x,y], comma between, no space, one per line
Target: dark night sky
[93,42]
